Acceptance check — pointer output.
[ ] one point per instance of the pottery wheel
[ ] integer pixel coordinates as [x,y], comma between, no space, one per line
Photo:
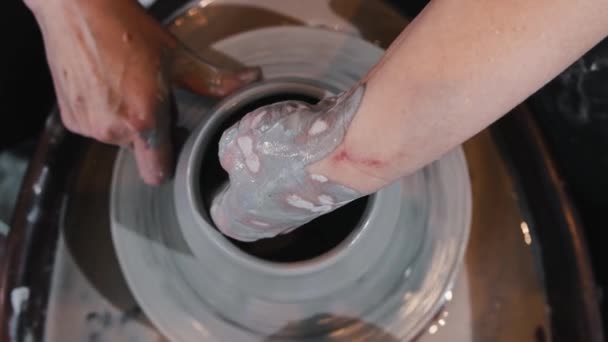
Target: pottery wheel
[385,281]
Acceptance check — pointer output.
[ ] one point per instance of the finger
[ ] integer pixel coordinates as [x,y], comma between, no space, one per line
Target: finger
[226,217]
[70,121]
[217,212]
[109,130]
[202,77]
[228,82]
[152,162]
[152,148]
[115,132]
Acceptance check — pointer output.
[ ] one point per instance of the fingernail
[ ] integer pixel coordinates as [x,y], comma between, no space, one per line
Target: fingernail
[219,91]
[153,170]
[250,75]
[156,178]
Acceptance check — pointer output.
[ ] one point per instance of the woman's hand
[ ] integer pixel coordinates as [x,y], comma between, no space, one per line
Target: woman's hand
[113,66]
[270,156]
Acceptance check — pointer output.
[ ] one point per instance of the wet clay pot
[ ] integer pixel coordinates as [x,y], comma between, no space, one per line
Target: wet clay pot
[377,268]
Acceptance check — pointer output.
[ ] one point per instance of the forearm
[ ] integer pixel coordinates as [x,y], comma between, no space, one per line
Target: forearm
[456,68]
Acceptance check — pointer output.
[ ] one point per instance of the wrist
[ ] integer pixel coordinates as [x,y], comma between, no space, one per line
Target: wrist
[362,161]
[343,168]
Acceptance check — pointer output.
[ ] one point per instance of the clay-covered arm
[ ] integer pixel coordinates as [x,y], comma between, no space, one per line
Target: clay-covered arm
[459,66]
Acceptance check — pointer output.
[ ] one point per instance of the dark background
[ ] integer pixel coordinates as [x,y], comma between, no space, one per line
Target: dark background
[572,111]
[26,89]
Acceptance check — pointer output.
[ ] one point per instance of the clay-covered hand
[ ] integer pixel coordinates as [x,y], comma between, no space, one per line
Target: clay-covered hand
[112,67]
[268,156]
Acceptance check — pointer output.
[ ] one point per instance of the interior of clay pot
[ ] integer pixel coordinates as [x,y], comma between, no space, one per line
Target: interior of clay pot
[307,242]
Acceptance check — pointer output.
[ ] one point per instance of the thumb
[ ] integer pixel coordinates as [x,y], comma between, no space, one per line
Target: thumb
[204,78]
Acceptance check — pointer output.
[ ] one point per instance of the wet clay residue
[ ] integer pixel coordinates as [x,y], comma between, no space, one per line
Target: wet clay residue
[309,241]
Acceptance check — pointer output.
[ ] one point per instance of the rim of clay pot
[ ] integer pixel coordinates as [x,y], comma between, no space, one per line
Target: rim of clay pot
[194,152]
